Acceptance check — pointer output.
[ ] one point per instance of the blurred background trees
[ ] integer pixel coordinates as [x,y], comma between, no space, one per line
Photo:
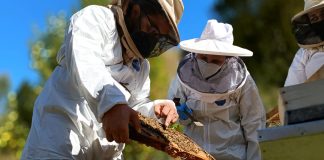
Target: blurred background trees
[262,26]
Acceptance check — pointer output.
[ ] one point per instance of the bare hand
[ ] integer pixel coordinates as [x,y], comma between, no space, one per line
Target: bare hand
[166,109]
[116,121]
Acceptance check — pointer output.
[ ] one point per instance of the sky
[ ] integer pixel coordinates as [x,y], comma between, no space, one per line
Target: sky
[19,19]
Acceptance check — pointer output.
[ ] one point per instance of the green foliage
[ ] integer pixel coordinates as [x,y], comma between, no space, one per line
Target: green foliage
[137,151]
[16,121]
[26,97]
[4,88]
[163,68]
[45,47]
[263,27]
[12,133]
[95,2]
[4,85]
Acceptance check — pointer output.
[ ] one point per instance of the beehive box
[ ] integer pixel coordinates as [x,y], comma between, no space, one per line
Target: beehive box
[303,141]
[302,102]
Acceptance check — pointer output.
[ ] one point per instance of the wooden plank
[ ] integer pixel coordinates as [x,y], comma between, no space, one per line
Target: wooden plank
[289,131]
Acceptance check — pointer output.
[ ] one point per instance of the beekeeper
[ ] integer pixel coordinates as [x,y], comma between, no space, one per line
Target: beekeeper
[102,77]
[308,28]
[214,85]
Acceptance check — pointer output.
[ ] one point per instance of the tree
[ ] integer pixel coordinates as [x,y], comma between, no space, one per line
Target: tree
[12,133]
[4,85]
[25,98]
[4,89]
[263,27]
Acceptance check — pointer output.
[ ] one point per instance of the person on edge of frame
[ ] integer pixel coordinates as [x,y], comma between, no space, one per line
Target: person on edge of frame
[308,28]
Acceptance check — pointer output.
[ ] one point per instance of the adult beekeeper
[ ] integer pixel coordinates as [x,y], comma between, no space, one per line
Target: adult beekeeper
[214,86]
[308,28]
[102,77]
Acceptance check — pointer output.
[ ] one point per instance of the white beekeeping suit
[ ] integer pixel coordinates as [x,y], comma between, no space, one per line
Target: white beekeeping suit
[227,103]
[92,76]
[229,130]
[90,64]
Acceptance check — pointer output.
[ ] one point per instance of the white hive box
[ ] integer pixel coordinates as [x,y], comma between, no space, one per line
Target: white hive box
[302,102]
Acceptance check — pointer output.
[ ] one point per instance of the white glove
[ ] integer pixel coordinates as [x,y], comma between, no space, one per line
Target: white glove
[165,109]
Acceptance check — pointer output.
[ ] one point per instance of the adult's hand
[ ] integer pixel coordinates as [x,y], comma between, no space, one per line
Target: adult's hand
[116,121]
[166,109]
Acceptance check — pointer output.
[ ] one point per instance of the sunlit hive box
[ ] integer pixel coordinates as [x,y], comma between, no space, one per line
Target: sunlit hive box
[302,141]
[302,102]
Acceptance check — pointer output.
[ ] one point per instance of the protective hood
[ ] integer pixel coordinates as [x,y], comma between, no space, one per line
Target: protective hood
[173,10]
[230,77]
[308,24]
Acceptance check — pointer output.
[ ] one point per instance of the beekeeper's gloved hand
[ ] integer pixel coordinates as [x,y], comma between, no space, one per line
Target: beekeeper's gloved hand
[165,109]
[183,110]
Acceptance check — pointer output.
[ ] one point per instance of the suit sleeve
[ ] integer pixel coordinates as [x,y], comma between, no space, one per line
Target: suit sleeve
[90,32]
[140,97]
[296,72]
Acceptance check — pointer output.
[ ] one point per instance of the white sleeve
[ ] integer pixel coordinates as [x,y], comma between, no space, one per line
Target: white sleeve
[89,33]
[315,62]
[296,72]
[252,117]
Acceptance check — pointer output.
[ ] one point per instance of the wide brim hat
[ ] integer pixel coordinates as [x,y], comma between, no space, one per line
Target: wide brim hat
[216,39]
[308,24]
[310,5]
[173,10]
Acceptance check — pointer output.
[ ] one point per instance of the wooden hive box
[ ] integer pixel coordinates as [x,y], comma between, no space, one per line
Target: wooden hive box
[302,102]
[303,141]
